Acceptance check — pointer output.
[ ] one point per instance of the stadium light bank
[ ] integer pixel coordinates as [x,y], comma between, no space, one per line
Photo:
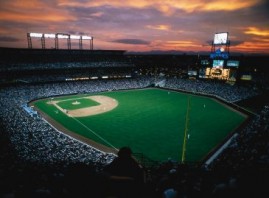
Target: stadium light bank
[56,37]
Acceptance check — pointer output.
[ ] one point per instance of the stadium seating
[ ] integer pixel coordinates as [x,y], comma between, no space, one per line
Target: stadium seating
[37,160]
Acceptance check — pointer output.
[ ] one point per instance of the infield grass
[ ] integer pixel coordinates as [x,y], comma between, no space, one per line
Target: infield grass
[152,122]
[71,104]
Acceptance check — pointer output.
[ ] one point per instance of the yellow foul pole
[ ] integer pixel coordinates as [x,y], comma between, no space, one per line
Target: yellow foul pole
[185,132]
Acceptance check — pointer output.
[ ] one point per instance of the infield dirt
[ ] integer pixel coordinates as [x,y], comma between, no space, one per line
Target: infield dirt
[106,104]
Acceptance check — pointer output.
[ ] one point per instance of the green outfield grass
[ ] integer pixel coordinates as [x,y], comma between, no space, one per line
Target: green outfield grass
[152,122]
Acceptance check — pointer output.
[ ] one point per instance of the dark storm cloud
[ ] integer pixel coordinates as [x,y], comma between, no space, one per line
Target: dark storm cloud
[250,16]
[8,39]
[132,41]
[262,9]
[236,42]
[259,15]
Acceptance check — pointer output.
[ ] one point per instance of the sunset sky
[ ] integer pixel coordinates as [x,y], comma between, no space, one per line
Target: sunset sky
[139,25]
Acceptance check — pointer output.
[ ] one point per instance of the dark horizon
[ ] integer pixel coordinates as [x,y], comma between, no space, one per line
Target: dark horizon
[151,52]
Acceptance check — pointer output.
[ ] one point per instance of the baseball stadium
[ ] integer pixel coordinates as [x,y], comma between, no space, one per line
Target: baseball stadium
[189,122]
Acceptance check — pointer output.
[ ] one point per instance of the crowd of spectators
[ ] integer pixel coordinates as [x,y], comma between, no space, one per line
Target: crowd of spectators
[61,71]
[221,90]
[30,146]
[70,74]
[63,65]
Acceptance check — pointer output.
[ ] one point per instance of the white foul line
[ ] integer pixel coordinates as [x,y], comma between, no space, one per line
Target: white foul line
[95,133]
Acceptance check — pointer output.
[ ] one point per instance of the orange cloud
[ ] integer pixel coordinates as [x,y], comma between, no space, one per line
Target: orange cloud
[159,27]
[33,10]
[256,46]
[52,17]
[168,7]
[229,5]
[97,14]
[256,31]
[180,44]
[3,31]
[22,5]
[175,45]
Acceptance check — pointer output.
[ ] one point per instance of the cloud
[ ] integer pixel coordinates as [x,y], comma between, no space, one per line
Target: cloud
[159,27]
[158,24]
[167,7]
[8,39]
[76,32]
[132,41]
[256,31]
[34,10]
[178,44]
[236,42]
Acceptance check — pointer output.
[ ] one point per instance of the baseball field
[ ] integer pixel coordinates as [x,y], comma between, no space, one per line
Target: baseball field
[159,123]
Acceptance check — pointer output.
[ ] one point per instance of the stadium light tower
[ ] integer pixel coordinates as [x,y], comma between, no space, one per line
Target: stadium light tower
[87,38]
[56,37]
[29,40]
[49,36]
[62,36]
[35,35]
[77,37]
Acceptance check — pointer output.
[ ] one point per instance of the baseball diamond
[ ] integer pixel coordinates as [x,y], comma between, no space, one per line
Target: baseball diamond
[151,121]
[104,104]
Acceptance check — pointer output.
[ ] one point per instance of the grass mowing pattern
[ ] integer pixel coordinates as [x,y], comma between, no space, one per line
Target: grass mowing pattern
[152,122]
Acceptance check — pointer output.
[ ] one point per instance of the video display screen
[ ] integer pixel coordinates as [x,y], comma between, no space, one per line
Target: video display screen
[218,63]
[232,63]
[221,38]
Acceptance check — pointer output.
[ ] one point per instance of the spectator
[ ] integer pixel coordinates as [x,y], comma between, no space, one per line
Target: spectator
[126,175]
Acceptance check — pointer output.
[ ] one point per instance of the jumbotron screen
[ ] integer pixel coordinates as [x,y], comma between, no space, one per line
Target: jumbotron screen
[218,63]
[232,63]
[221,38]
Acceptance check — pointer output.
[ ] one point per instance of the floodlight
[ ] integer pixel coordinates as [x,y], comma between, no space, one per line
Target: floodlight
[62,36]
[49,35]
[86,37]
[37,35]
[74,36]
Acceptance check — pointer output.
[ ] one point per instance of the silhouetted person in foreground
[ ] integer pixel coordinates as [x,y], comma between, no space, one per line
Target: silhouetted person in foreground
[126,175]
